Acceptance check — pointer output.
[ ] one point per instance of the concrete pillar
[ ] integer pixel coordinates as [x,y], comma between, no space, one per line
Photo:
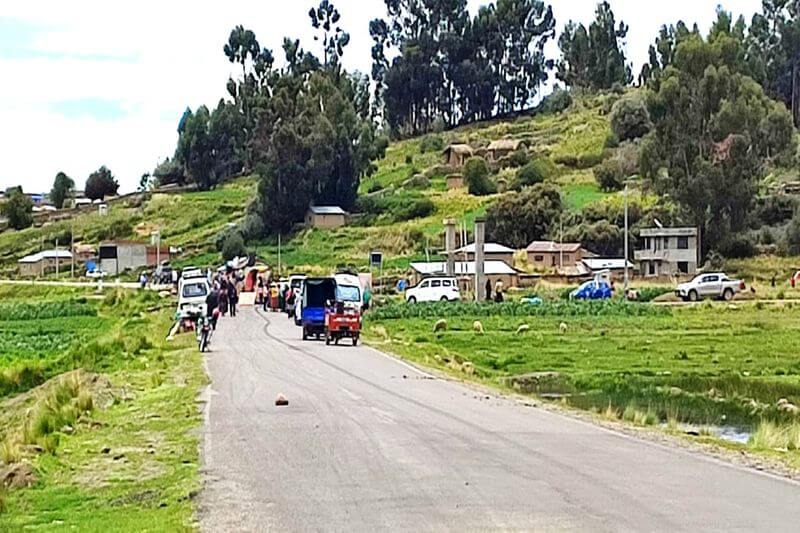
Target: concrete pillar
[450,245]
[480,279]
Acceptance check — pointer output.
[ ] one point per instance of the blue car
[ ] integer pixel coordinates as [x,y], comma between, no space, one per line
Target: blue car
[592,290]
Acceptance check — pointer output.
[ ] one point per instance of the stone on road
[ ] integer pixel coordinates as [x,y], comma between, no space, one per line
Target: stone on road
[360,448]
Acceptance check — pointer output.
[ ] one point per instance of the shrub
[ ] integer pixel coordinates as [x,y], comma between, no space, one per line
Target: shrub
[589,160]
[612,141]
[431,143]
[419,208]
[775,209]
[252,227]
[630,118]
[737,247]
[608,175]
[792,235]
[409,159]
[556,102]
[766,237]
[417,181]
[521,217]
[567,160]
[534,172]
[476,176]
[233,246]
[519,158]
[375,186]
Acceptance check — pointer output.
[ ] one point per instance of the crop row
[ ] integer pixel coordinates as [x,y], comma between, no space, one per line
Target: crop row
[44,310]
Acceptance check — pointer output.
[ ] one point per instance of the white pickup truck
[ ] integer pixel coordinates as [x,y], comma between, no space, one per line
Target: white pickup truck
[716,285]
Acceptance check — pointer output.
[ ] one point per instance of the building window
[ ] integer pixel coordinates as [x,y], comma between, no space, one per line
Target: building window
[683,266]
[683,243]
[651,268]
[538,258]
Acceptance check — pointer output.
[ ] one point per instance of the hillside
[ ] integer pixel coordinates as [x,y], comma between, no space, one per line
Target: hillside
[573,141]
[187,220]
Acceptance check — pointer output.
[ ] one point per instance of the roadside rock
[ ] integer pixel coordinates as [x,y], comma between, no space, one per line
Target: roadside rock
[18,476]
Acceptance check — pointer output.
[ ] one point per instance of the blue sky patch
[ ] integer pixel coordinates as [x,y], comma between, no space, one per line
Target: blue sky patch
[96,108]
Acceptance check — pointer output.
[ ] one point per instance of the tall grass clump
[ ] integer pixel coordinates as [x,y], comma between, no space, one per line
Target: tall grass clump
[62,406]
[773,436]
[45,310]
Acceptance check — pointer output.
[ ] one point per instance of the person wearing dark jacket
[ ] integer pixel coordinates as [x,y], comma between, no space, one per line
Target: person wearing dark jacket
[212,302]
[233,297]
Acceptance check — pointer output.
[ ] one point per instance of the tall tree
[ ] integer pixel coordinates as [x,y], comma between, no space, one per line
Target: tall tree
[715,131]
[18,209]
[594,58]
[63,187]
[101,183]
[325,19]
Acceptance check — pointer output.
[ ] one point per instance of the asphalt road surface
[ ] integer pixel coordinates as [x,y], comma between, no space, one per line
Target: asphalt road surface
[368,443]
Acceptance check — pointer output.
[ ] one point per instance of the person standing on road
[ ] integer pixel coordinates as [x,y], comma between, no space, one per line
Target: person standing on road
[233,296]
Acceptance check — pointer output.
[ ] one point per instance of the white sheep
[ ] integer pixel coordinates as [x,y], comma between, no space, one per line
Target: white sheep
[563,328]
[440,325]
[523,328]
[477,327]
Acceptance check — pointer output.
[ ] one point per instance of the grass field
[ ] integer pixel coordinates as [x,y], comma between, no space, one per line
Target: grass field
[713,364]
[108,447]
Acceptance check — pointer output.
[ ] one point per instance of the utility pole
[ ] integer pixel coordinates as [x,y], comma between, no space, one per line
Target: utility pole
[57,258]
[625,285]
[72,250]
[279,256]
[450,246]
[479,270]
[561,242]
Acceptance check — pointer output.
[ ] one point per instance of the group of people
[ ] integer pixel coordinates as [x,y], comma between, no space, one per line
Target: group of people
[272,295]
[224,294]
[498,291]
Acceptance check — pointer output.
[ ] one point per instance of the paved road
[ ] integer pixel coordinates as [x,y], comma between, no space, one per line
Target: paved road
[367,443]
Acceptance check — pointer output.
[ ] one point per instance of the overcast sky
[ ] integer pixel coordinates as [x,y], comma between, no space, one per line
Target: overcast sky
[88,83]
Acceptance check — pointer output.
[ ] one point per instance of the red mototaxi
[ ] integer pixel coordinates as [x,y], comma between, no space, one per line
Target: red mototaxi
[342,321]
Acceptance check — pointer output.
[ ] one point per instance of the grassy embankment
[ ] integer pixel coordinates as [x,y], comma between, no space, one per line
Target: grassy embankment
[97,412]
[187,220]
[709,365]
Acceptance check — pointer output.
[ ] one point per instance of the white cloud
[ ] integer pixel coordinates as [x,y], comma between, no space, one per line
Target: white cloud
[156,58]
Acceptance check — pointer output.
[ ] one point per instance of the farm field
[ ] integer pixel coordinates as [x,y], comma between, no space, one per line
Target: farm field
[96,412]
[713,365]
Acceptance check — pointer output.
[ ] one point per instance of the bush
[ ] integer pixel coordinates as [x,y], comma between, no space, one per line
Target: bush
[476,176]
[232,245]
[630,118]
[737,247]
[519,158]
[792,236]
[567,160]
[431,143]
[609,175]
[375,186]
[589,160]
[775,209]
[521,217]
[417,181]
[409,159]
[766,237]
[556,102]
[534,172]
[612,141]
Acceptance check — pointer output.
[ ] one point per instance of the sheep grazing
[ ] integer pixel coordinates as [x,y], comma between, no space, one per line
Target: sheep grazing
[468,368]
[522,329]
[477,327]
[562,328]
[441,325]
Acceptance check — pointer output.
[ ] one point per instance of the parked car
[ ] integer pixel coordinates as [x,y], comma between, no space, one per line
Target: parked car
[595,289]
[715,285]
[96,273]
[192,297]
[434,289]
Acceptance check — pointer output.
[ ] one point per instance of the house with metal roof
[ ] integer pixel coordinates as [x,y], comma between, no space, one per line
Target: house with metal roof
[493,270]
[325,216]
[492,251]
[40,263]
[544,255]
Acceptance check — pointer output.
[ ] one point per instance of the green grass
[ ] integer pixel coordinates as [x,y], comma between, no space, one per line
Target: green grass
[118,440]
[578,195]
[711,364]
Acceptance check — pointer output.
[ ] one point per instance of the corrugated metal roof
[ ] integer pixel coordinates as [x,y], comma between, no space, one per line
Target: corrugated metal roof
[47,254]
[668,232]
[605,263]
[551,246]
[327,210]
[488,248]
[493,268]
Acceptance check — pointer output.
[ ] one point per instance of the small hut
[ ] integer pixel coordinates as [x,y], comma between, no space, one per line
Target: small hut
[455,155]
[455,181]
[497,150]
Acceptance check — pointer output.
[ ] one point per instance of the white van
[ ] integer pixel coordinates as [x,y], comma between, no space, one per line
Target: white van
[192,295]
[348,290]
[434,289]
